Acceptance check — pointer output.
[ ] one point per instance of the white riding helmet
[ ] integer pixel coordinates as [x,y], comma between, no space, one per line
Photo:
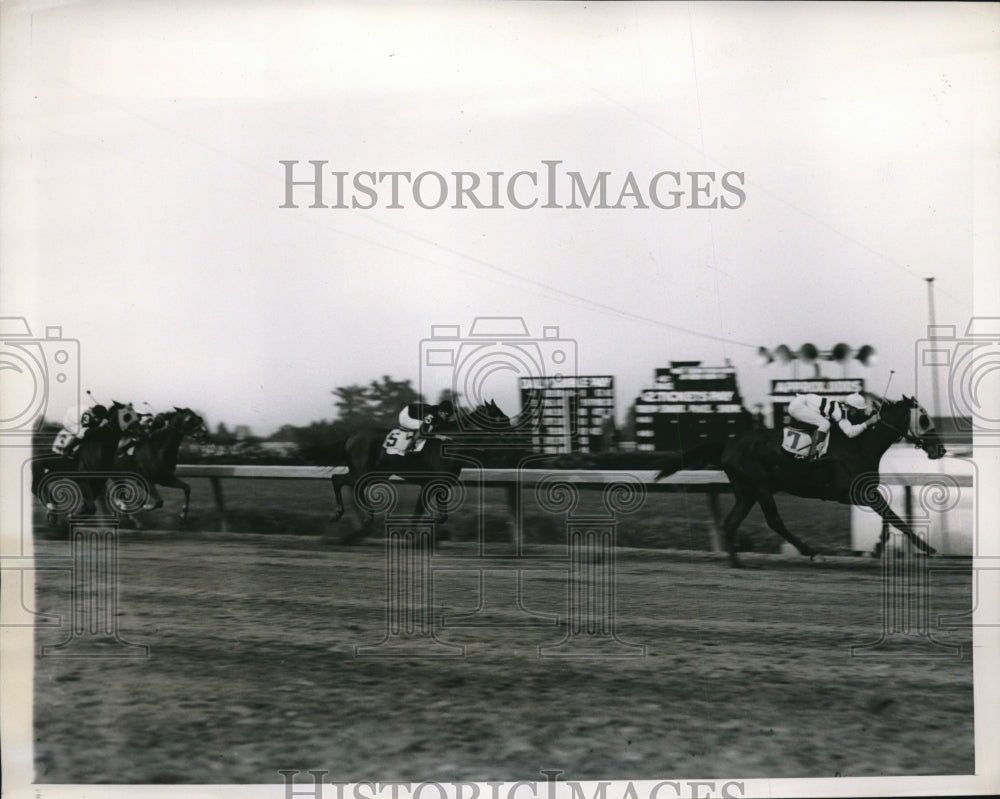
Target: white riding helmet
[856,401]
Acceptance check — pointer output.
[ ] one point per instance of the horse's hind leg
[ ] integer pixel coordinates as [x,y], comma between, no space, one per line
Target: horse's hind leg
[337,481]
[171,481]
[425,509]
[879,550]
[775,522]
[744,502]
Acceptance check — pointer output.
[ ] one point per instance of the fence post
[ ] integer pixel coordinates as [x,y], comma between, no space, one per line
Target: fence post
[715,524]
[220,502]
[511,493]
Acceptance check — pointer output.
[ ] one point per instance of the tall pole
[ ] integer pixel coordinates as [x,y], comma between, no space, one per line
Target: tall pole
[936,413]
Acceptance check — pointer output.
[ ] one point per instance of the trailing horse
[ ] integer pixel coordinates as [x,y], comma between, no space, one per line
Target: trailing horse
[155,456]
[94,457]
[433,468]
[758,468]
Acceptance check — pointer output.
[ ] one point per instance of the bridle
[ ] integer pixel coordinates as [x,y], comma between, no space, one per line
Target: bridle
[907,434]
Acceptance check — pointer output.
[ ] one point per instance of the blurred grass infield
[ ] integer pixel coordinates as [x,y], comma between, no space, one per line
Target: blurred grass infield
[679,520]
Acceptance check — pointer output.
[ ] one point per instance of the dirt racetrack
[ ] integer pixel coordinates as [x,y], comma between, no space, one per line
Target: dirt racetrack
[252,669]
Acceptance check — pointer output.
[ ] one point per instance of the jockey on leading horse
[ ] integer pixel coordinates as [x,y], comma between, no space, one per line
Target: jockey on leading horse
[851,415]
[423,419]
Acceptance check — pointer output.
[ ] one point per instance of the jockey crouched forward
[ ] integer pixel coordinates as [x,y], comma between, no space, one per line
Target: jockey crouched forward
[851,414]
[143,428]
[76,423]
[423,419]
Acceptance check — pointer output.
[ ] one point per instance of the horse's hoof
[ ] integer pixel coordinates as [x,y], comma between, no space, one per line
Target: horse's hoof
[817,557]
[337,515]
[877,550]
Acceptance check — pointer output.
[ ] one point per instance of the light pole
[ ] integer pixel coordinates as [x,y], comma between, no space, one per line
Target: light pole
[936,413]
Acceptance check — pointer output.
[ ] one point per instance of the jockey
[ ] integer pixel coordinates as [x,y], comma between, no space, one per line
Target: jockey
[76,422]
[130,422]
[423,419]
[851,415]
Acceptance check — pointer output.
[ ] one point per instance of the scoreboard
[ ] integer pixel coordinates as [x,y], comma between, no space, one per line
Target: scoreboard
[784,391]
[689,404]
[569,414]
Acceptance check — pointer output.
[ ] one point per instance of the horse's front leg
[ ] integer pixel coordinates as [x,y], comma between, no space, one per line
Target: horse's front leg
[878,504]
[92,489]
[154,495]
[776,523]
[172,481]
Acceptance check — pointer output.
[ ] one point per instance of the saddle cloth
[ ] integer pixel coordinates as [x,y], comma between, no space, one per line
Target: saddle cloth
[62,441]
[797,442]
[398,442]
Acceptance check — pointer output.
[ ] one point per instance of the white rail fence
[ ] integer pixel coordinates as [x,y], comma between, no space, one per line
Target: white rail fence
[950,538]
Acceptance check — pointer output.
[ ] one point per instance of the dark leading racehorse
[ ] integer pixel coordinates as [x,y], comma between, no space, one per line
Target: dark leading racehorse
[155,457]
[363,454]
[758,468]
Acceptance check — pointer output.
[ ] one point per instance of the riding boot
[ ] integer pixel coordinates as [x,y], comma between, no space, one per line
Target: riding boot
[817,442]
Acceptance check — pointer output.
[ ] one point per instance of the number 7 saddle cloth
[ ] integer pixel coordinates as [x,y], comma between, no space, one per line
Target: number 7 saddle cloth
[797,440]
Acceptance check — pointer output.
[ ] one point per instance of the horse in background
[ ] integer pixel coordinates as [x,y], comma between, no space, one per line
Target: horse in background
[95,455]
[364,454]
[154,456]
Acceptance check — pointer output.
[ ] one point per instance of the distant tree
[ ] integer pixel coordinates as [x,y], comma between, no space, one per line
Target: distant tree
[222,435]
[388,396]
[318,441]
[352,406]
[376,404]
[284,433]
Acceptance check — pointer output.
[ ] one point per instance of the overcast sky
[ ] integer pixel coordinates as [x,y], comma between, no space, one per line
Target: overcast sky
[142,185]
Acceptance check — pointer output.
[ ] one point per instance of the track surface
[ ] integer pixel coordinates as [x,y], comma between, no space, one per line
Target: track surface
[252,669]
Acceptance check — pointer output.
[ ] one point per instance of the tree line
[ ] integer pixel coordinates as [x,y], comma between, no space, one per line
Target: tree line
[375,404]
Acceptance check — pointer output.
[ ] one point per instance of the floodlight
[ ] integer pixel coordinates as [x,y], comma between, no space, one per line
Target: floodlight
[867,355]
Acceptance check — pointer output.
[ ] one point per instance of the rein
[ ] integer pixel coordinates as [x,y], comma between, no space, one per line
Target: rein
[904,434]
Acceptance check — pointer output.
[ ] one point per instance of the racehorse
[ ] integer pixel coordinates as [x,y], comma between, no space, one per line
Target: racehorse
[155,457]
[758,468]
[364,455]
[95,455]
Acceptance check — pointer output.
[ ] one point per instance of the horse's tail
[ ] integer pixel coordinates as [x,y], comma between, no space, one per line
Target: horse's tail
[327,453]
[700,457]
[336,454]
